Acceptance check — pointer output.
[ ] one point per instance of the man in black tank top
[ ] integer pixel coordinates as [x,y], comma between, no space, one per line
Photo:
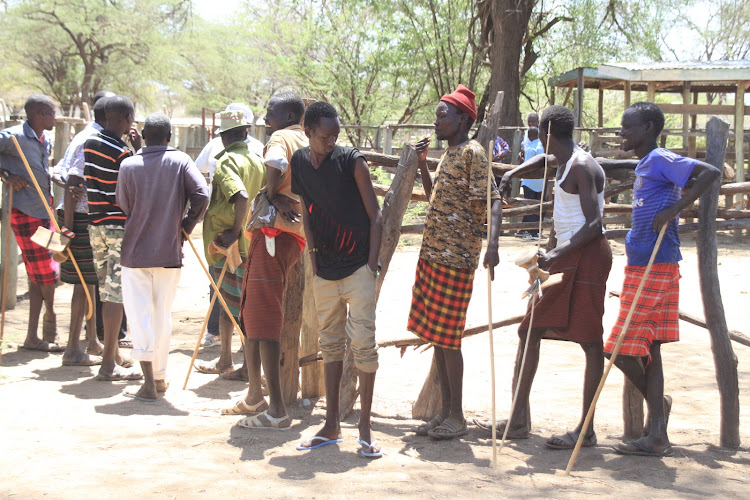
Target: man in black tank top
[343,226]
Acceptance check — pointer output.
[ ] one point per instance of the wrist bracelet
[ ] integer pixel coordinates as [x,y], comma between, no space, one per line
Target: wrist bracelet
[313,250]
[67,232]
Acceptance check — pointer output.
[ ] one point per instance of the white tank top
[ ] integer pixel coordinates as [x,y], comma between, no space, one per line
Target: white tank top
[568,215]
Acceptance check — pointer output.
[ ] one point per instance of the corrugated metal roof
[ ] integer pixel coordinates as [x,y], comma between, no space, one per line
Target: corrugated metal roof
[714,71]
[707,65]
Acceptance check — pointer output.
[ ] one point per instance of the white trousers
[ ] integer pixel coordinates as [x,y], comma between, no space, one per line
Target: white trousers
[148,295]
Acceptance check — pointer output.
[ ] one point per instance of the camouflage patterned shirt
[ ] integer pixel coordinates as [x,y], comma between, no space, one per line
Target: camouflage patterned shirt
[455,220]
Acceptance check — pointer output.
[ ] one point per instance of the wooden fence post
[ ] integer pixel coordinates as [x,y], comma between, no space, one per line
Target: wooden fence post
[395,202]
[725,361]
[8,239]
[290,333]
[313,383]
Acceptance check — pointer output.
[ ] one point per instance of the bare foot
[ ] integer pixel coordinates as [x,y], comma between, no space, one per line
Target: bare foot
[161,385]
[515,432]
[95,348]
[239,374]
[213,367]
[80,358]
[119,373]
[145,394]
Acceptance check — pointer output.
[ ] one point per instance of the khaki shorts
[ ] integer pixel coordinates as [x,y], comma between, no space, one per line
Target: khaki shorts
[331,300]
[106,242]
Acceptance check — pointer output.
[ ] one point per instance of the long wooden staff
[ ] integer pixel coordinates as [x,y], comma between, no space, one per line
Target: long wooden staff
[53,220]
[217,292]
[6,255]
[615,351]
[205,324]
[489,303]
[534,294]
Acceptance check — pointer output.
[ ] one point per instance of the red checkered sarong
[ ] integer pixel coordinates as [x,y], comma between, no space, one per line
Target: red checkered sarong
[40,267]
[439,301]
[657,315]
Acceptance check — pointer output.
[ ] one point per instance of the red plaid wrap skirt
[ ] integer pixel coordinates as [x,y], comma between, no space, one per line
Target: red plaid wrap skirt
[40,267]
[657,315]
[440,298]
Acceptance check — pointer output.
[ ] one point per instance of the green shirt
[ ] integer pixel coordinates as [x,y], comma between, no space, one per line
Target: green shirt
[236,170]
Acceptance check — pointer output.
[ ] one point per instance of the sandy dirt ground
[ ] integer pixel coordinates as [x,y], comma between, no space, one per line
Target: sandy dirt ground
[65,435]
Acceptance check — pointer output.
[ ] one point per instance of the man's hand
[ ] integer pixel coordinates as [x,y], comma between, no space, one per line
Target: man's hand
[226,238]
[16,182]
[77,192]
[422,147]
[284,206]
[505,184]
[663,217]
[545,260]
[135,138]
[491,259]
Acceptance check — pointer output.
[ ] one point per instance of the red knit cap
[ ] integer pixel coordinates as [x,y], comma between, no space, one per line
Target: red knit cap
[463,99]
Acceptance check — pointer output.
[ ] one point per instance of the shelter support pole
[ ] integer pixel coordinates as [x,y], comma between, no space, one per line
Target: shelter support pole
[739,138]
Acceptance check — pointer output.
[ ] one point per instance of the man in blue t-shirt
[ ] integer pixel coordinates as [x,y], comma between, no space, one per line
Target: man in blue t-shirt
[532,188]
[658,198]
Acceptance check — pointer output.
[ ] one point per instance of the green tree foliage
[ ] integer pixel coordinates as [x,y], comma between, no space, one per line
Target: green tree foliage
[74,48]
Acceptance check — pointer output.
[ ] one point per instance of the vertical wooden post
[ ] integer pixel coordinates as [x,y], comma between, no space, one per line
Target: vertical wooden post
[626,92]
[739,138]
[313,383]
[692,140]
[552,96]
[8,241]
[651,91]
[725,361]
[290,333]
[685,114]
[632,411]
[579,99]
[388,146]
[600,109]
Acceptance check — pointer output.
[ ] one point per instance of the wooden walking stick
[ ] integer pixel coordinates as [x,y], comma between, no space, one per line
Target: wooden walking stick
[489,303]
[534,293]
[53,220]
[615,351]
[205,324]
[217,292]
[6,256]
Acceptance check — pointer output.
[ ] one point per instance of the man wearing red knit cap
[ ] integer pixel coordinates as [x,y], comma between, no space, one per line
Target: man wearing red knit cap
[451,244]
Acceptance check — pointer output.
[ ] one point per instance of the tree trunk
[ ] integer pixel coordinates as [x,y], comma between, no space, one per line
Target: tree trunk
[430,398]
[508,20]
[717,131]
[395,202]
[290,333]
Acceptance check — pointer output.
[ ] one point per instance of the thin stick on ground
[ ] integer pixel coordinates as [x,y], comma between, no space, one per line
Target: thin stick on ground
[489,304]
[205,324]
[217,292]
[53,221]
[615,351]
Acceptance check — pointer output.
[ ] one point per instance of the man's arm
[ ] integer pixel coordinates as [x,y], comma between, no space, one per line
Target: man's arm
[121,192]
[196,192]
[585,184]
[240,201]
[281,202]
[422,147]
[531,165]
[15,181]
[701,178]
[310,242]
[491,256]
[364,184]
[609,164]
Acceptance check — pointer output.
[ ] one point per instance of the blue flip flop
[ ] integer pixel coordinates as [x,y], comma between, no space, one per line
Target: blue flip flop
[365,444]
[320,440]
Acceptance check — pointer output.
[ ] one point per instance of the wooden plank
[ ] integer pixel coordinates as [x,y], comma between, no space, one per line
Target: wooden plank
[725,360]
[313,381]
[735,188]
[290,332]
[685,115]
[626,95]
[651,91]
[600,109]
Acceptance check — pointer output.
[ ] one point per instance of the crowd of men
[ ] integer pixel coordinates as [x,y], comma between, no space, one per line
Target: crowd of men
[127,210]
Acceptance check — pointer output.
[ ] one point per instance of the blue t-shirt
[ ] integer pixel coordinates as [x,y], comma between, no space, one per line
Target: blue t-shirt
[534,148]
[659,178]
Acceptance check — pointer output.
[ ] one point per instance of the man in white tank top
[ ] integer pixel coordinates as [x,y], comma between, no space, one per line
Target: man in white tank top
[573,309]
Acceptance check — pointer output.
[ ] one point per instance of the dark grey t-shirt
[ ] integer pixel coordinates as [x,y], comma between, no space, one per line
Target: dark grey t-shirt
[335,210]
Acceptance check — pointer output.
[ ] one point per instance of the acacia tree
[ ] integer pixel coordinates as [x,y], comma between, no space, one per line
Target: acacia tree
[76,46]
